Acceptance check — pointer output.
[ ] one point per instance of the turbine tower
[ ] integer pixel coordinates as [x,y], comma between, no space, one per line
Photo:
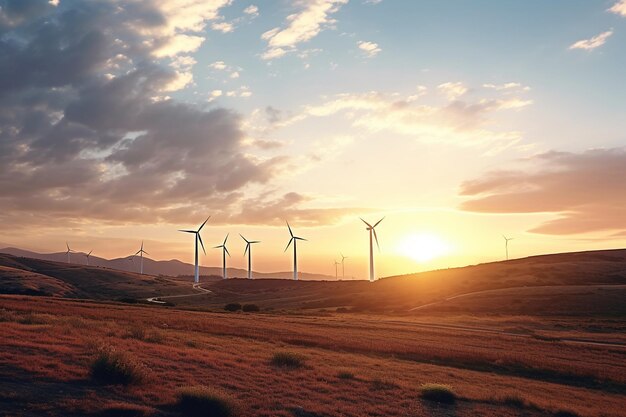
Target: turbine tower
[343,269]
[224,252]
[87,256]
[68,252]
[248,249]
[336,264]
[294,239]
[141,252]
[197,238]
[372,230]
[506,245]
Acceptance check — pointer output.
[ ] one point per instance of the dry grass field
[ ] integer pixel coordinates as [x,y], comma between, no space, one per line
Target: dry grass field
[270,364]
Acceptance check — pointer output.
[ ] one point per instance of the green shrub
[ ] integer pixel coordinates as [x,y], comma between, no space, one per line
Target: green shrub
[438,393]
[288,360]
[232,307]
[248,308]
[114,367]
[206,401]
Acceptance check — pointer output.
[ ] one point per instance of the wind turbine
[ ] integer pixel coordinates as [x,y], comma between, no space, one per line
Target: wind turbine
[224,252]
[294,239]
[248,249]
[197,238]
[336,263]
[68,252]
[87,256]
[141,252]
[372,230]
[343,269]
[506,245]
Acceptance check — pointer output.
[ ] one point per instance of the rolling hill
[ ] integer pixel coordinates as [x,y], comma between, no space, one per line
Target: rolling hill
[592,283]
[170,268]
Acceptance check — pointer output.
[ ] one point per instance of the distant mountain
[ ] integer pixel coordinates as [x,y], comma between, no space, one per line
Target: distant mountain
[172,267]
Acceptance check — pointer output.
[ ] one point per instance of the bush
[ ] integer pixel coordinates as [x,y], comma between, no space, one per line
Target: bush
[438,392]
[288,360]
[248,308]
[114,367]
[232,307]
[206,401]
[345,375]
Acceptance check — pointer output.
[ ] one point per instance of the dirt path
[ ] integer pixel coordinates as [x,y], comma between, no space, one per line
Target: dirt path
[197,287]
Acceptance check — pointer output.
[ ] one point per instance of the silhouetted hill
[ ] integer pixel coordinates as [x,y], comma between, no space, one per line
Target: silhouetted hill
[171,268]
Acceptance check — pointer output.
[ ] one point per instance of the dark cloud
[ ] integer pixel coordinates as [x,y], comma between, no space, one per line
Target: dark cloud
[87,132]
[586,189]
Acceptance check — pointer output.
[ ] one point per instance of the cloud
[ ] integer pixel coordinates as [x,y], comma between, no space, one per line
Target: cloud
[458,122]
[592,43]
[452,90]
[251,10]
[370,49]
[301,27]
[619,8]
[224,27]
[587,190]
[507,87]
[87,133]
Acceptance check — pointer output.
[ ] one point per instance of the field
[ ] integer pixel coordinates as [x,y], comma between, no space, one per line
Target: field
[541,336]
[354,365]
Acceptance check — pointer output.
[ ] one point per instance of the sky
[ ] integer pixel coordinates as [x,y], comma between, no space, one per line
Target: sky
[457,122]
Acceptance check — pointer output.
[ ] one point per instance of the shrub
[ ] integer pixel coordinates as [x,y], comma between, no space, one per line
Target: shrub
[383,384]
[345,375]
[114,367]
[565,413]
[206,401]
[288,360]
[248,308]
[438,392]
[232,307]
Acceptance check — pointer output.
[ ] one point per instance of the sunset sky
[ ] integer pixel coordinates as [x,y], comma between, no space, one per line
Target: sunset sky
[459,121]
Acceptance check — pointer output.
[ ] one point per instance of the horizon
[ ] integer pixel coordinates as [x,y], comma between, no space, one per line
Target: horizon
[121,124]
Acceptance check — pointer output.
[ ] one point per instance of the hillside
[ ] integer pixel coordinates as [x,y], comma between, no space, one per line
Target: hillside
[587,283]
[38,277]
[170,268]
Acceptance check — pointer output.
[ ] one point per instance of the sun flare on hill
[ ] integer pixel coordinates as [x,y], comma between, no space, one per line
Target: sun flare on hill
[423,247]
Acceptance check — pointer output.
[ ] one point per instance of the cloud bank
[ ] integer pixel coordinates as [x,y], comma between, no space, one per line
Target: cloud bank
[587,190]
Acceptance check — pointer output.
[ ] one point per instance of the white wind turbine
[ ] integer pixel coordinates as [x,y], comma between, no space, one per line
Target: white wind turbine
[197,238]
[294,239]
[506,245]
[141,252]
[343,267]
[372,230]
[248,249]
[87,256]
[224,252]
[68,252]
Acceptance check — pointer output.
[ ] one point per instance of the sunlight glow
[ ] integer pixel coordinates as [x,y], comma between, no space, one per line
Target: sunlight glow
[423,247]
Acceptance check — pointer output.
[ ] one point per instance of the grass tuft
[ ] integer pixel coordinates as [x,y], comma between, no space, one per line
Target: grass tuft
[201,400]
[286,359]
[345,375]
[440,393]
[566,413]
[114,367]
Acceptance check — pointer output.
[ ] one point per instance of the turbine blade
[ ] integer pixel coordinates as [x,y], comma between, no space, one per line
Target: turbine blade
[226,250]
[68,246]
[226,238]
[145,252]
[90,252]
[378,222]
[217,247]
[243,238]
[142,245]
[247,246]
[256,241]
[289,227]
[201,244]
[299,238]
[207,219]
[290,240]
[187,231]
[137,252]
[376,237]
[368,225]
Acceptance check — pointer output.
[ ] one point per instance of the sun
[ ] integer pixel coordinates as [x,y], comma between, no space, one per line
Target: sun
[423,247]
